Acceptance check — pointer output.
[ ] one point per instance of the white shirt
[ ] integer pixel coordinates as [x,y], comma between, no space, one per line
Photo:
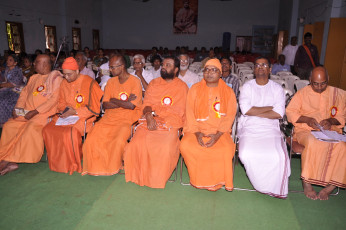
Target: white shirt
[156,73]
[290,53]
[89,72]
[190,78]
[105,77]
[147,75]
[252,94]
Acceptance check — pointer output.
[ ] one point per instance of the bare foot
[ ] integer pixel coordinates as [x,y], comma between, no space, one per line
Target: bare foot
[3,165]
[10,167]
[309,191]
[324,193]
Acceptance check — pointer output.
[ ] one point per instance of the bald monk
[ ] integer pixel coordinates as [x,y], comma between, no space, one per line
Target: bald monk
[207,146]
[80,96]
[103,149]
[21,139]
[323,163]
[153,152]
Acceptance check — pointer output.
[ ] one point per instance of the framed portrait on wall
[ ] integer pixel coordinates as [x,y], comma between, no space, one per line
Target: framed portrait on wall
[185,13]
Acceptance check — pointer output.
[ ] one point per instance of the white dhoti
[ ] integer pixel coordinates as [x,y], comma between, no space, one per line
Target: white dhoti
[265,157]
[261,147]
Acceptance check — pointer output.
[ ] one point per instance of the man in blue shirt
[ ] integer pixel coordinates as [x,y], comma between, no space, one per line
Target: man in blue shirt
[281,66]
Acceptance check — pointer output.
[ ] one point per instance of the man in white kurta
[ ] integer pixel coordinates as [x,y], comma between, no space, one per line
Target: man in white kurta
[261,146]
[186,75]
[142,74]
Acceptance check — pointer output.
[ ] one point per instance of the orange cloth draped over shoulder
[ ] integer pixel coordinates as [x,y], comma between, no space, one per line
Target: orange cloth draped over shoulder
[209,110]
[323,163]
[64,143]
[151,156]
[21,139]
[104,147]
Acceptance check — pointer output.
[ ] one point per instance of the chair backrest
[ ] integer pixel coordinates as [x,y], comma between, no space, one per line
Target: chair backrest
[200,76]
[288,95]
[243,68]
[284,73]
[290,79]
[249,64]
[282,83]
[275,77]
[298,84]
[244,72]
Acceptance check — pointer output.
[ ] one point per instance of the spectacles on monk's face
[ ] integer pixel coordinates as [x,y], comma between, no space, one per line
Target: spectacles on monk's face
[264,65]
[318,85]
[210,70]
[114,67]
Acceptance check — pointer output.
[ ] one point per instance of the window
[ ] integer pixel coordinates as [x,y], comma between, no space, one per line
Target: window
[50,34]
[15,36]
[76,39]
[96,39]
[244,43]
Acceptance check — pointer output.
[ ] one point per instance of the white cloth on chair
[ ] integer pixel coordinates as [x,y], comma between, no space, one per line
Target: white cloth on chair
[261,146]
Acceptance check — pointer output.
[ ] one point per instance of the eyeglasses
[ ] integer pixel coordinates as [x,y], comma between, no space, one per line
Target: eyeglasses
[264,65]
[114,67]
[184,61]
[322,84]
[211,70]
[137,63]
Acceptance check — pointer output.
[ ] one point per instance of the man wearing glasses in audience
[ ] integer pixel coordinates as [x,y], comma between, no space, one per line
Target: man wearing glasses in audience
[144,75]
[185,74]
[261,146]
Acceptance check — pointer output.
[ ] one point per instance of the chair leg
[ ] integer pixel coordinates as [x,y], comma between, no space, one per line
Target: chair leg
[175,174]
[181,172]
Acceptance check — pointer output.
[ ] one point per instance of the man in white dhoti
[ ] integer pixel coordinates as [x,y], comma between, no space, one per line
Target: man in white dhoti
[261,146]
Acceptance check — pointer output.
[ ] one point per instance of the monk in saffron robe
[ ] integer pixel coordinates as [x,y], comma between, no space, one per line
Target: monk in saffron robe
[104,147]
[207,146]
[153,153]
[21,139]
[79,96]
[319,105]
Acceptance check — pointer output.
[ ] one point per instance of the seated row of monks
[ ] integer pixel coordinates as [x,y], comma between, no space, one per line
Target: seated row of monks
[206,113]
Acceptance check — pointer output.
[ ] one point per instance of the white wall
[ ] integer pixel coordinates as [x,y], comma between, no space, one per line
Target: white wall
[59,13]
[134,24]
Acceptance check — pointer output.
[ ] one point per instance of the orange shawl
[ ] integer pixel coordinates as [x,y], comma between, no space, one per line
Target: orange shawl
[201,109]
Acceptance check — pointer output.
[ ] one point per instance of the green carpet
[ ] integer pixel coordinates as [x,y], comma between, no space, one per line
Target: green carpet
[33,197]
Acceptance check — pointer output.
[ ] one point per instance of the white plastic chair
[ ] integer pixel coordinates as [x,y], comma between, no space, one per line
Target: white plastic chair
[284,73]
[243,72]
[290,79]
[282,83]
[275,77]
[249,64]
[298,84]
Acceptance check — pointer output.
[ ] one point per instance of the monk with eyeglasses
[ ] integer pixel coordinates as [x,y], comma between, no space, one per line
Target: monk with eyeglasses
[315,107]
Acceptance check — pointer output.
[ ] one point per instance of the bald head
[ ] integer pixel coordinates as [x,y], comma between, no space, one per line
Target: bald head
[319,79]
[117,65]
[43,64]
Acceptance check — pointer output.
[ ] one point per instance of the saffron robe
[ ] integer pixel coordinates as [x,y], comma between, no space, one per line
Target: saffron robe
[64,143]
[151,156]
[21,139]
[323,163]
[209,168]
[104,147]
